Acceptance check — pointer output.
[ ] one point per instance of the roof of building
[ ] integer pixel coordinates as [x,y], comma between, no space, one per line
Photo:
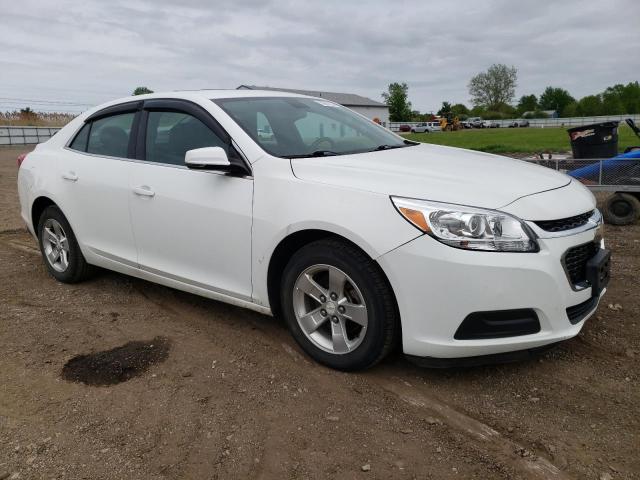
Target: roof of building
[346,99]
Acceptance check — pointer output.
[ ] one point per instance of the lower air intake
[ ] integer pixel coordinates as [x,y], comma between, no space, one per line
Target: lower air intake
[498,324]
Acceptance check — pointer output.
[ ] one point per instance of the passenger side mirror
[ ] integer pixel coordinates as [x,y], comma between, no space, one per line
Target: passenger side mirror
[208,158]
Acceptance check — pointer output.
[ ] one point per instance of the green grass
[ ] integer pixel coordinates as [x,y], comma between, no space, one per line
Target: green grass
[514,140]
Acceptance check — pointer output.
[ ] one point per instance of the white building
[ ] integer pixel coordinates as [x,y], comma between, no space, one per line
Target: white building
[363,105]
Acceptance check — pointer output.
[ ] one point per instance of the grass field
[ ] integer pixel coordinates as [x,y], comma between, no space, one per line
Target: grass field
[514,140]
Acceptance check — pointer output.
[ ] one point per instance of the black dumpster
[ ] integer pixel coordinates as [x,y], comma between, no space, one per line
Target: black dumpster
[599,140]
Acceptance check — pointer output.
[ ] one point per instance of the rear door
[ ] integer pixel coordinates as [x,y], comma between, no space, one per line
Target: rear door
[94,183]
[193,226]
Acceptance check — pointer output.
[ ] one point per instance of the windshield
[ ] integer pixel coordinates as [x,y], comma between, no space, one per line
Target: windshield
[306,127]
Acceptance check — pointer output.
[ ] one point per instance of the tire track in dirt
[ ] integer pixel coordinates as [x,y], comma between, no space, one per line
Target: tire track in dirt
[488,439]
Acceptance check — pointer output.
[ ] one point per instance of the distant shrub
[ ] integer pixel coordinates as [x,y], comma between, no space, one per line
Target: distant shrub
[492,115]
[536,114]
[28,117]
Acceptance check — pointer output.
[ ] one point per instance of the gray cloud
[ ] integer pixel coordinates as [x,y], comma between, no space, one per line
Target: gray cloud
[91,51]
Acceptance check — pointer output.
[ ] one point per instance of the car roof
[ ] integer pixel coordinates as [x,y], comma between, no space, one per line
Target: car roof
[204,94]
[222,93]
[211,94]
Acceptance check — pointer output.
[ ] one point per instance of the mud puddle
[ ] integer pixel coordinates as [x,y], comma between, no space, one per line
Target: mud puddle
[117,365]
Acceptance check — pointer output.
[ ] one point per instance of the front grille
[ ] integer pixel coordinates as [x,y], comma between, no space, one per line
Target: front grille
[577,313]
[564,223]
[575,261]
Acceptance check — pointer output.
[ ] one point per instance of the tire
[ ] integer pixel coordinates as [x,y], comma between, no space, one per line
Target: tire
[76,268]
[366,292]
[621,209]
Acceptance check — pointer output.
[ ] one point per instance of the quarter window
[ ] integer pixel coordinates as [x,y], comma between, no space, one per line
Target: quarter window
[110,135]
[80,142]
[171,134]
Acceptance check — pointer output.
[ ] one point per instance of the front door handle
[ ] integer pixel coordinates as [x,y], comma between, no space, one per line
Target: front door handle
[144,191]
[71,176]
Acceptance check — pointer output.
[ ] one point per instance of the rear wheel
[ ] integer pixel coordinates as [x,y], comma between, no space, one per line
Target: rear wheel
[59,247]
[621,209]
[338,305]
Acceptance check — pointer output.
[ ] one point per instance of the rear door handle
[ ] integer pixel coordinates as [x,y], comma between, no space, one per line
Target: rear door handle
[71,176]
[143,191]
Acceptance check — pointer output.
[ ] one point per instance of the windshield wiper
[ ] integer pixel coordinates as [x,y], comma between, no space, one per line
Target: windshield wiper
[387,147]
[316,153]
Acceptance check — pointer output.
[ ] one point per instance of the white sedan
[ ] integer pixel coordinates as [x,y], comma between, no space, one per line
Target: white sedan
[361,240]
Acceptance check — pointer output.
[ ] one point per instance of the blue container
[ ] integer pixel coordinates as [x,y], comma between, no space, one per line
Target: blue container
[623,169]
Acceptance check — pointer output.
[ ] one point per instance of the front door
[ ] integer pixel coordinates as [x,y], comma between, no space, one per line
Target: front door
[192,226]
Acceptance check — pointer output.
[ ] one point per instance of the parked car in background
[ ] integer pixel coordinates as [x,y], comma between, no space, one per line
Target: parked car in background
[519,123]
[490,124]
[435,126]
[404,128]
[361,240]
[420,128]
[475,122]
[426,127]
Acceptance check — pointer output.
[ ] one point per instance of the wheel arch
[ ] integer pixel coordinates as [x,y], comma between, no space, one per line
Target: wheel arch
[37,207]
[288,246]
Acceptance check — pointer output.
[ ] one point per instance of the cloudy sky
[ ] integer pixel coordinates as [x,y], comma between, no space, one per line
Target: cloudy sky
[82,53]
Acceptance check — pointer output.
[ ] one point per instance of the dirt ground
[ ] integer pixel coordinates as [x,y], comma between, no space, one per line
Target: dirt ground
[233,397]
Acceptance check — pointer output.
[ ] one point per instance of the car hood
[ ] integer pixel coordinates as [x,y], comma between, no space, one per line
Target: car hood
[433,172]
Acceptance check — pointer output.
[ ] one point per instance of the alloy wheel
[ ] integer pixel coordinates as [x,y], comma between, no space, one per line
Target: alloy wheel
[330,309]
[55,245]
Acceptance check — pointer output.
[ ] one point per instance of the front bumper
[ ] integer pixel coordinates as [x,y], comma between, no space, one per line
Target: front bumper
[438,286]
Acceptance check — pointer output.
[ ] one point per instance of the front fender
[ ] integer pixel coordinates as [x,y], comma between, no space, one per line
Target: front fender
[284,204]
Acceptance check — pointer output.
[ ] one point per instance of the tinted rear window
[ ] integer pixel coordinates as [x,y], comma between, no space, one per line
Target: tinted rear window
[110,135]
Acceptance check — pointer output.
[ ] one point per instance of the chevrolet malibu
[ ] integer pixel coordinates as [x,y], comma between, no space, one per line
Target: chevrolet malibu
[361,240]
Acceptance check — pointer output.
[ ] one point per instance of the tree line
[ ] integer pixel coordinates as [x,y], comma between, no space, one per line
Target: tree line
[493,97]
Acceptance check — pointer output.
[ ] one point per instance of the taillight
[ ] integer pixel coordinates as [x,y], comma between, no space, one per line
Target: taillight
[21,158]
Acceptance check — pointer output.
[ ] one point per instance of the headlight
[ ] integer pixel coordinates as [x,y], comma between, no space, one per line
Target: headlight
[468,227]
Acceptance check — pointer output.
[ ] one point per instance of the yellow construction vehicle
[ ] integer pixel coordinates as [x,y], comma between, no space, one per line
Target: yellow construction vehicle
[449,123]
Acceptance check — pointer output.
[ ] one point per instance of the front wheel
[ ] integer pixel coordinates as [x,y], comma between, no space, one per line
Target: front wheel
[338,305]
[59,247]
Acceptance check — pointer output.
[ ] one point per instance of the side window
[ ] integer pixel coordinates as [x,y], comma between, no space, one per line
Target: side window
[110,135]
[80,142]
[171,134]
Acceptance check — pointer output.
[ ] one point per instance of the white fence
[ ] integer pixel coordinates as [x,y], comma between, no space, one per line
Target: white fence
[26,135]
[546,122]
[572,121]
